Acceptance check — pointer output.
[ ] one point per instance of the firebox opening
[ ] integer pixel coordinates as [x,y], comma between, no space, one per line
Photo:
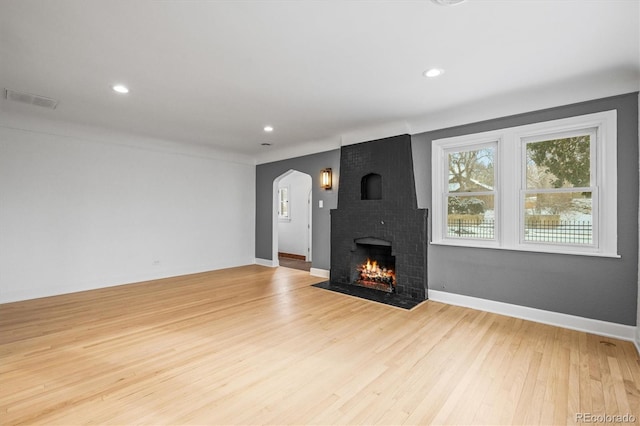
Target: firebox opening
[373,266]
[371,187]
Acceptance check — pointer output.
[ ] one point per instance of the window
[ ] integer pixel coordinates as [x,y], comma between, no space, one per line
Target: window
[470,191]
[559,188]
[549,187]
[283,204]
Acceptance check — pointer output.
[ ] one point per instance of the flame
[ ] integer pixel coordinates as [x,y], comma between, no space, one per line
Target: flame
[371,271]
[371,267]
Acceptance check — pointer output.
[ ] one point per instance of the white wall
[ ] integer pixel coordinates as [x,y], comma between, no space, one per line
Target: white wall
[77,213]
[293,235]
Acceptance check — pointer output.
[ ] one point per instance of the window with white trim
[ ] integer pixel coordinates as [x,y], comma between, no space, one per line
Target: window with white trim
[547,187]
[284,213]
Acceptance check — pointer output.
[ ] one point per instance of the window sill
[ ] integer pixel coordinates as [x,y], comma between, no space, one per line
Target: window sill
[525,249]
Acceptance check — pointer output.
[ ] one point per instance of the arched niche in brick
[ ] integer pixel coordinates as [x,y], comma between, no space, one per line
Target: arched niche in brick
[371,187]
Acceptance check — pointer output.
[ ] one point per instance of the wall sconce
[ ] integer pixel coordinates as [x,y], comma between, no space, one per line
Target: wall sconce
[325,178]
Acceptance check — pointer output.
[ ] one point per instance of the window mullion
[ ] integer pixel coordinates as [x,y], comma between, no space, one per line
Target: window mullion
[509,171]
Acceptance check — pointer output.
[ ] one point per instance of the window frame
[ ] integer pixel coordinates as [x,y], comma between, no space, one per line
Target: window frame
[510,184]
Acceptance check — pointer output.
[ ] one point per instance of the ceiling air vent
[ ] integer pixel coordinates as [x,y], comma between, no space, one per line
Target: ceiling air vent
[28,98]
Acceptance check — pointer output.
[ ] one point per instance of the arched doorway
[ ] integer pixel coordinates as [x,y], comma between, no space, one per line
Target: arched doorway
[292,217]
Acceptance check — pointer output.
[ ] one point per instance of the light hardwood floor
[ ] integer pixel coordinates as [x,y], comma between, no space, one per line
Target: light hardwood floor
[255,345]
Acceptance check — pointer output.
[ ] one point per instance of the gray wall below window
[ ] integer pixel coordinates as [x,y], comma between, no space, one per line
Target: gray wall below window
[591,287]
[321,220]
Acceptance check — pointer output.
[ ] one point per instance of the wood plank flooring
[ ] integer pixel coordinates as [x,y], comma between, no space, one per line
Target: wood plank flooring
[287,262]
[256,345]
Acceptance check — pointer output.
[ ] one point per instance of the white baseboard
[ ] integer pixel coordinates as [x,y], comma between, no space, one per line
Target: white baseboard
[322,273]
[267,262]
[602,328]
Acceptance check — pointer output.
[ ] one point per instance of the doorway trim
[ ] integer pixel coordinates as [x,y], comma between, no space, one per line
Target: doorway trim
[274,218]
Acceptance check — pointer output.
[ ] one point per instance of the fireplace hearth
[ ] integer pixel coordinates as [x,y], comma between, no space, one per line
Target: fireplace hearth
[378,235]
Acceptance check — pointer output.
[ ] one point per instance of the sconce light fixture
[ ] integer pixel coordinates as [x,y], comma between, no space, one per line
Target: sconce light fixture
[325,178]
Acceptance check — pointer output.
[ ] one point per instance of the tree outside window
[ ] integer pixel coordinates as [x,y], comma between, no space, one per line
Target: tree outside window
[558,201]
[471,193]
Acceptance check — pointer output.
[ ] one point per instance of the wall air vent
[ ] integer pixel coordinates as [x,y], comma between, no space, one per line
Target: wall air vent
[28,98]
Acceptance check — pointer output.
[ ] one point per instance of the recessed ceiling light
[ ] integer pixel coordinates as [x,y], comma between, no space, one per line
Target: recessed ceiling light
[268,129]
[433,72]
[448,2]
[120,88]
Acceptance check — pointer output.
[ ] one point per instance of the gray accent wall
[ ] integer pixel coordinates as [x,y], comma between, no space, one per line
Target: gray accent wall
[592,287]
[321,220]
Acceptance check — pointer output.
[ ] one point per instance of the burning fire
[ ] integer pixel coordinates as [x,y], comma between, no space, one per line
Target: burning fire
[372,272]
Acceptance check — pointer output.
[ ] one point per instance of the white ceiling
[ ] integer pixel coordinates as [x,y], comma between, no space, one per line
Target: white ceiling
[323,73]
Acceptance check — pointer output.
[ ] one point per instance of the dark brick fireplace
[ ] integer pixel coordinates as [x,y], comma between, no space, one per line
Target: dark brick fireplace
[377,219]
